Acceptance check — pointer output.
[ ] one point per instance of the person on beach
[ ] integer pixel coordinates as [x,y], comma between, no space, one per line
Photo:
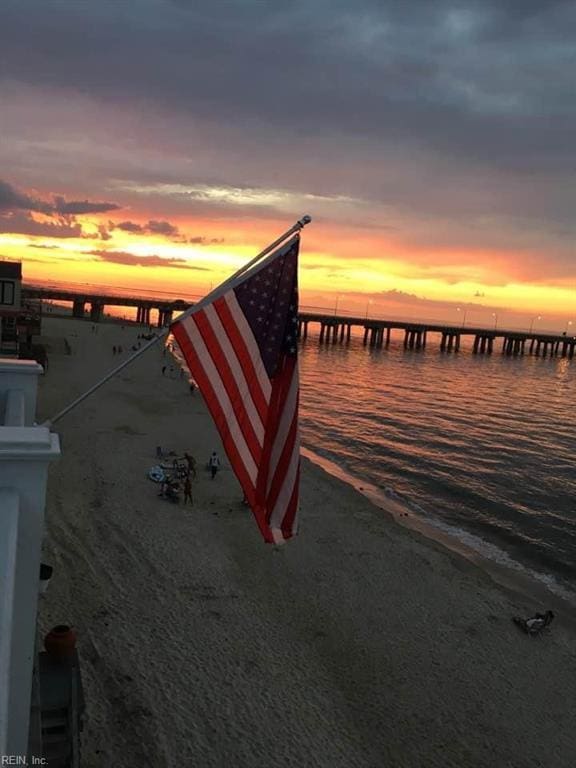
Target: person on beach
[163,370]
[191,461]
[188,490]
[192,387]
[114,350]
[214,464]
[119,350]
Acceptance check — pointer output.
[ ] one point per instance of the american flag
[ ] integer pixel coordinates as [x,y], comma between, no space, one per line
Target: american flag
[241,349]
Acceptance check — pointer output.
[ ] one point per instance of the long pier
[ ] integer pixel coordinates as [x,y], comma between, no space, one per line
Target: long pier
[97,302]
[336,329]
[333,328]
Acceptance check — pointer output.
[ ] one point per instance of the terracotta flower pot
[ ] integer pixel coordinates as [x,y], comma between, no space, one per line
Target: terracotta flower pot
[60,641]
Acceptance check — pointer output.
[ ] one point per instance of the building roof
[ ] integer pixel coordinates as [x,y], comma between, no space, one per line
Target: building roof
[11,270]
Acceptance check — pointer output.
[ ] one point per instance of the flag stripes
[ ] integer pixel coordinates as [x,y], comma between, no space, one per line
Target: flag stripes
[210,384]
[231,377]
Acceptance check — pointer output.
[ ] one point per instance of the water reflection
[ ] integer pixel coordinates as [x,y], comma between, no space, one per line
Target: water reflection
[483,442]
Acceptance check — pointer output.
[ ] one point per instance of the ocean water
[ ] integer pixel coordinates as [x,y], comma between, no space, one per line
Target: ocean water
[481,447]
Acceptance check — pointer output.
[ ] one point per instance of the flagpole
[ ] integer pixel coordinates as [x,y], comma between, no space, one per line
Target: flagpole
[300,224]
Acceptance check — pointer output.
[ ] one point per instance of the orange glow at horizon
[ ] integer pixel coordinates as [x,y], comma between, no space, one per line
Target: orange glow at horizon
[333,263]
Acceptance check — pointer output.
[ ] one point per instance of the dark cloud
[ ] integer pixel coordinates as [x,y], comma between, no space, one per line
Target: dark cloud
[162,228]
[126,226]
[20,223]
[130,259]
[17,209]
[474,78]
[152,227]
[12,199]
[199,240]
[77,207]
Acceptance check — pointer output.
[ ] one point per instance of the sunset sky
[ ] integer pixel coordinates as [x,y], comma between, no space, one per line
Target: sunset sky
[159,144]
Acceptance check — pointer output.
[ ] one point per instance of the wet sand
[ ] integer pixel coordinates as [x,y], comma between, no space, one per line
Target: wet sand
[359,643]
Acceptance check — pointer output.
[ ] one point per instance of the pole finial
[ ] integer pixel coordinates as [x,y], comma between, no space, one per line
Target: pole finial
[304,220]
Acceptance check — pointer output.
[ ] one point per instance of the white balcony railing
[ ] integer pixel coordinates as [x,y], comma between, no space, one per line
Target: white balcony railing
[25,452]
[9,511]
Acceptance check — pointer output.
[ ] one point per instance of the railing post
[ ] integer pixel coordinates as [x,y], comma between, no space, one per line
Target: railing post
[25,451]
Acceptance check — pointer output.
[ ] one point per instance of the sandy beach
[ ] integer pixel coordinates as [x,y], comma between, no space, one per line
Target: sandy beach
[359,643]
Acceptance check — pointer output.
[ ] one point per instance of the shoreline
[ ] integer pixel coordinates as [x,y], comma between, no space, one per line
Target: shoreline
[511,575]
[358,643]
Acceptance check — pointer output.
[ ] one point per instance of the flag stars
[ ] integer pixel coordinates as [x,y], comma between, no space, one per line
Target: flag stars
[269,299]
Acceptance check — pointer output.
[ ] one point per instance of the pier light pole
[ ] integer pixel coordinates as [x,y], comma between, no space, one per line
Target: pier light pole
[568,324]
[495,316]
[538,317]
[458,309]
[336,303]
[368,303]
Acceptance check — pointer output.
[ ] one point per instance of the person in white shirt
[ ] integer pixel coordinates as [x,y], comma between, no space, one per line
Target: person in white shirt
[214,464]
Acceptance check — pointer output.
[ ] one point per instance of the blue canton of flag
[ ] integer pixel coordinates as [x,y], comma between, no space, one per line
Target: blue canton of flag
[269,301]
